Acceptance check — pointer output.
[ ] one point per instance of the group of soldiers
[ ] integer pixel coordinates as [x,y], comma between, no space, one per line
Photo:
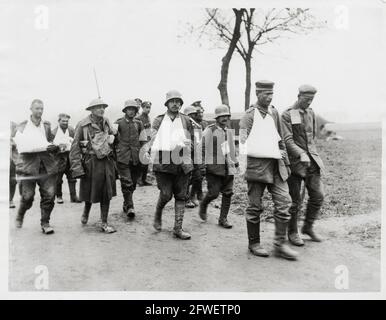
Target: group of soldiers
[274,152]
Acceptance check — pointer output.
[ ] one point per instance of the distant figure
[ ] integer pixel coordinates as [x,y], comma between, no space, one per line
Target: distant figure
[128,144]
[219,154]
[299,127]
[36,164]
[64,135]
[145,119]
[92,162]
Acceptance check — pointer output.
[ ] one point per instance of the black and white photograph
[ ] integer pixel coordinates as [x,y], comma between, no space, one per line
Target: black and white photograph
[225,149]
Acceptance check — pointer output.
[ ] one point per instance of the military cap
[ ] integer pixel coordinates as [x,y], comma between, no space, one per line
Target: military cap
[264,85]
[221,110]
[173,94]
[97,102]
[138,100]
[189,110]
[63,115]
[130,103]
[197,103]
[306,89]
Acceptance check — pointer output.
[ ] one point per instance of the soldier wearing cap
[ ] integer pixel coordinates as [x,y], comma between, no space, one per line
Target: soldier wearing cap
[145,119]
[36,164]
[266,167]
[200,114]
[299,128]
[128,144]
[171,143]
[91,158]
[64,135]
[218,152]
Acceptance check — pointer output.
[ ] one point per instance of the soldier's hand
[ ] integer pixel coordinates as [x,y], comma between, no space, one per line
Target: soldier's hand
[305,159]
[111,139]
[283,154]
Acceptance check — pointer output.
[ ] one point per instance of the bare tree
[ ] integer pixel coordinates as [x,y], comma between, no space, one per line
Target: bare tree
[258,28]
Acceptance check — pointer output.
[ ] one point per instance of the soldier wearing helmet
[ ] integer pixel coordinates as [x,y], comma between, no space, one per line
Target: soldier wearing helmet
[145,119]
[171,143]
[128,143]
[92,161]
[218,149]
[267,166]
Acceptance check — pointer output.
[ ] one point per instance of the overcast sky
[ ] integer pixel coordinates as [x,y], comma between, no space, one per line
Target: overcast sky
[137,52]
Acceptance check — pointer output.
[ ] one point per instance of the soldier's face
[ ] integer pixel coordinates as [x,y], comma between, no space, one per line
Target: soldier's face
[131,112]
[199,114]
[305,101]
[98,111]
[146,109]
[174,105]
[63,123]
[264,98]
[223,120]
[37,110]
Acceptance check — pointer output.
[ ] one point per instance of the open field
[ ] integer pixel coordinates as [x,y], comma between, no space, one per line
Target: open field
[137,258]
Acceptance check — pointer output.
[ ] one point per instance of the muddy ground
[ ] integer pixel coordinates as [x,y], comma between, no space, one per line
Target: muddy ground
[138,258]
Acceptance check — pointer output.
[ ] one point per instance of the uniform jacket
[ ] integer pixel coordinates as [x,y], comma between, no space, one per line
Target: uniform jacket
[129,140]
[145,119]
[76,156]
[215,161]
[299,133]
[187,163]
[262,169]
[29,163]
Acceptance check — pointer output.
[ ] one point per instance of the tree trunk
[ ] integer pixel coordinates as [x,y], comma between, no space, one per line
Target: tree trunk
[223,84]
[247,96]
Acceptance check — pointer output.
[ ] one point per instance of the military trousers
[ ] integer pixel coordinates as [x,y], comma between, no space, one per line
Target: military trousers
[12,180]
[280,197]
[129,175]
[315,189]
[64,169]
[47,188]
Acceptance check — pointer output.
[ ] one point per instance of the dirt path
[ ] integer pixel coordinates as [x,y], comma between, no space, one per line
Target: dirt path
[137,258]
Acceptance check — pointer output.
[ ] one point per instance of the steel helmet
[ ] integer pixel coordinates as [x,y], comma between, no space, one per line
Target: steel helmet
[173,94]
[189,110]
[222,110]
[130,103]
[97,102]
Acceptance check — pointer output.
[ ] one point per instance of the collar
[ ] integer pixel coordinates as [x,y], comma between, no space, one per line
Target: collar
[128,120]
[36,125]
[262,109]
[296,106]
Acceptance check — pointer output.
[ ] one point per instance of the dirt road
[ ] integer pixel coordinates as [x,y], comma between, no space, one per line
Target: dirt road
[137,258]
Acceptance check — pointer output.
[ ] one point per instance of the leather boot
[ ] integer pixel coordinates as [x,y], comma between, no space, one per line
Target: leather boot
[158,216]
[179,208]
[309,230]
[203,207]
[293,233]
[45,222]
[254,246]
[86,212]
[225,205]
[20,216]
[73,197]
[281,248]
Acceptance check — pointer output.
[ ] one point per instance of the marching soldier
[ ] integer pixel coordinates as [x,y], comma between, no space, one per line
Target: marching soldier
[196,177]
[218,149]
[200,114]
[299,127]
[64,135]
[36,164]
[171,143]
[145,119]
[92,161]
[12,167]
[266,167]
[128,145]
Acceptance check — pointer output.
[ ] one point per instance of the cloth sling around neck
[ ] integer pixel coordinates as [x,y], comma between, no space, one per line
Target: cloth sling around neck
[170,135]
[263,138]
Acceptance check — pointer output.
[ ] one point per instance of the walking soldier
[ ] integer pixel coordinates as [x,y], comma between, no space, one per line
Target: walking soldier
[261,142]
[92,161]
[64,135]
[218,149]
[299,127]
[145,119]
[131,137]
[171,143]
[36,164]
